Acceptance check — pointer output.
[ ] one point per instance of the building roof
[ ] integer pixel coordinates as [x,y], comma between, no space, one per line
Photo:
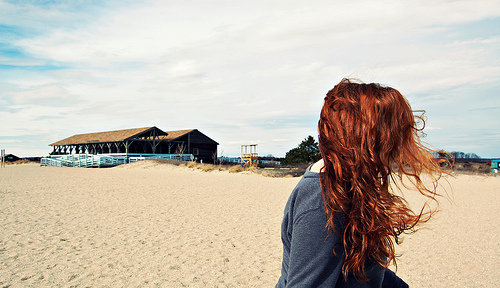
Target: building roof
[108,136]
[171,135]
[119,135]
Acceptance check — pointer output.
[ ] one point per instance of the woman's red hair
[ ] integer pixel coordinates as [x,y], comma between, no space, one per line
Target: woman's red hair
[367,134]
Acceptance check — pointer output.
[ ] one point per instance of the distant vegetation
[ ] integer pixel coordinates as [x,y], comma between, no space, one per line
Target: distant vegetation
[462,155]
[466,162]
[273,172]
[306,152]
[456,155]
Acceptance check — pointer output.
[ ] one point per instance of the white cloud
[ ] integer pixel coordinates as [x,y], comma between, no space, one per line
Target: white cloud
[231,66]
[156,30]
[47,95]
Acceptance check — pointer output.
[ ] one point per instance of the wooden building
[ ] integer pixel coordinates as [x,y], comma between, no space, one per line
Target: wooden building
[11,158]
[148,140]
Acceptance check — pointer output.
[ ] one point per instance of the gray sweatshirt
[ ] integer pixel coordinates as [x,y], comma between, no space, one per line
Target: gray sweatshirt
[308,258]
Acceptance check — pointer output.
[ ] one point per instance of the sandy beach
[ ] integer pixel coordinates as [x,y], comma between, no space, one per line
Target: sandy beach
[152,225]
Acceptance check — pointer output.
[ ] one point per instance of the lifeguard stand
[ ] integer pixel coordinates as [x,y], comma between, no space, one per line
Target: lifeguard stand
[249,156]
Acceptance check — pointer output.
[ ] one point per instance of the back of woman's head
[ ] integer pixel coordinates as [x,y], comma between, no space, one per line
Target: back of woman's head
[367,134]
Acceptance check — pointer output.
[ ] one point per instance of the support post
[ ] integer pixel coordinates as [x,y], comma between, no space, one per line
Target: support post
[2,158]
[153,145]
[127,145]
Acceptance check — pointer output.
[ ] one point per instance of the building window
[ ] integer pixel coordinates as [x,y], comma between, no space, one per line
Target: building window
[196,151]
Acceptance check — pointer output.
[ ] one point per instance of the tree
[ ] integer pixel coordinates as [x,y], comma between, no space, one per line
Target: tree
[462,155]
[306,152]
[181,148]
[472,156]
[458,154]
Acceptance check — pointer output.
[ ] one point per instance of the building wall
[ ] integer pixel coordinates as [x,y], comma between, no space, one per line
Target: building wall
[202,147]
[206,152]
[205,147]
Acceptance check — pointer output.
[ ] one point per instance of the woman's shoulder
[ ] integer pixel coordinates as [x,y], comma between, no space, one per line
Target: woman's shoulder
[316,167]
[307,195]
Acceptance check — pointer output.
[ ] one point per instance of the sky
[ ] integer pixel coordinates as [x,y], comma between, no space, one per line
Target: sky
[242,72]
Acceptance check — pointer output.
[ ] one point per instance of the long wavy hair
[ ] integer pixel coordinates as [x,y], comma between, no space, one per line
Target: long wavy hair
[367,138]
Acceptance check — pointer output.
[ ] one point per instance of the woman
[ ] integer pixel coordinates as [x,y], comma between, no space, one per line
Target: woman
[341,221]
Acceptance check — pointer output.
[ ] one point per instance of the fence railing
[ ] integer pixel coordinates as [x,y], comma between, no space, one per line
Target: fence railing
[106,160]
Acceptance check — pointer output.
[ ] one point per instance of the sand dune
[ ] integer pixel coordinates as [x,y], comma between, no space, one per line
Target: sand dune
[149,225]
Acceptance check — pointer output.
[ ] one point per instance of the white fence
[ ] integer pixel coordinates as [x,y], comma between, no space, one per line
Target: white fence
[106,160]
